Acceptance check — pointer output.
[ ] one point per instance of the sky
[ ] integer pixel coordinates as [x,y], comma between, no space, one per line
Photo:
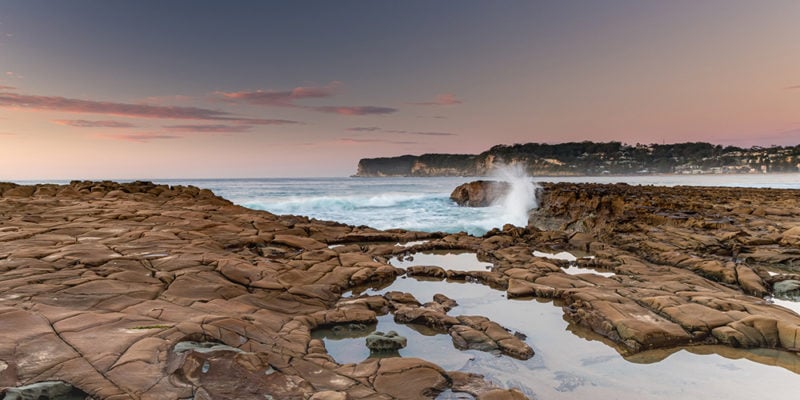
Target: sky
[199,89]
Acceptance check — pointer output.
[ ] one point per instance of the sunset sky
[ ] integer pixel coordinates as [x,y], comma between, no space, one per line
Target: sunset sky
[196,89]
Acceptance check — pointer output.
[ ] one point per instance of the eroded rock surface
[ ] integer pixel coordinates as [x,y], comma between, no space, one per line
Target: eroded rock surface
[100,283]
[479,193]
[690,263]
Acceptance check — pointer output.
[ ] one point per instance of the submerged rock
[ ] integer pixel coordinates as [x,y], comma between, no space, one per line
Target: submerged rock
[787,289]
[51,390]
[379,341]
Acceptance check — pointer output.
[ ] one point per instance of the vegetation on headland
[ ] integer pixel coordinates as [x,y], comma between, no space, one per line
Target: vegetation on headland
[591,158]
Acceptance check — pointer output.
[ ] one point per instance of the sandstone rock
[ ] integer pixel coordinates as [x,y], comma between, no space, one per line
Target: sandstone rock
[445,301]
[410,378]
[479,193]
[379,341]
[432,318]
[106,278]
[477,332]
[791,237]
[502,394]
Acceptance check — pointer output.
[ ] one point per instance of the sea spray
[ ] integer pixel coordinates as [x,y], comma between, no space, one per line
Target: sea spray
[521,197]
[420,204]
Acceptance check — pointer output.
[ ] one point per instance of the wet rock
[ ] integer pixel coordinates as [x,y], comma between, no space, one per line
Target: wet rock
[480,333]
[53,390]
[787,289]
[410,378]
[431,317]
[479,193]
[502,394]
[379,341]
[444,301]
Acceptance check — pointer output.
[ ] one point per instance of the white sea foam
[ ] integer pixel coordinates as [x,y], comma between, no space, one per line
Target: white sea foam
[423,203]
[520,199]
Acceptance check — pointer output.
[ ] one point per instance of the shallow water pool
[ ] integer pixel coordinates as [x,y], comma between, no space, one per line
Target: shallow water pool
[573,363]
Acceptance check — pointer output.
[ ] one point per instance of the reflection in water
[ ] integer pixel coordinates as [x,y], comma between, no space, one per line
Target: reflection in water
[790,304]
[423,342]
[580,364]
[574,270]
[455,260]
[572,258]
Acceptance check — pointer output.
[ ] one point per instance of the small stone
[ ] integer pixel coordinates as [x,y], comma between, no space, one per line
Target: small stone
[379,341]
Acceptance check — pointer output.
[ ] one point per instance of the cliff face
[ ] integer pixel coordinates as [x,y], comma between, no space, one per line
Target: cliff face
[388,166]
[424,165]
[589,158]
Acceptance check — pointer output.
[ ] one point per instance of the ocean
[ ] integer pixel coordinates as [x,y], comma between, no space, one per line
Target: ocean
[424,204]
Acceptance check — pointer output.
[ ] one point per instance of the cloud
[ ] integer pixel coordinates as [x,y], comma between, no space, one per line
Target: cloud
[364,129]
[397,131]
[57,103]
[141,137]
[13,75]
[159,100]
[422,133]
[289,98]
[3,87]
[793,87]
[363,140]
[355,110]
[261,121]
[443,99]
[281,98]
[209,128]
[82,123]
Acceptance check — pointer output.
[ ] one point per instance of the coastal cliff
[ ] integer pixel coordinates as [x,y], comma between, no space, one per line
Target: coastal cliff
[590,158]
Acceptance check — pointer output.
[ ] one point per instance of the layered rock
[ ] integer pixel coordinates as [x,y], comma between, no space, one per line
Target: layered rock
[102,284]
[479,193]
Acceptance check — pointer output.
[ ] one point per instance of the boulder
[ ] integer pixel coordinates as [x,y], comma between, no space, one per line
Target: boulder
[379,341]
[479,193]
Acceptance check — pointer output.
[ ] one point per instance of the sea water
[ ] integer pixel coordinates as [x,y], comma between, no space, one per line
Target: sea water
[424,203]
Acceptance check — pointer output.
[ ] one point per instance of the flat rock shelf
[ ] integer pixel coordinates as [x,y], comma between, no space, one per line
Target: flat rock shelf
[144,291]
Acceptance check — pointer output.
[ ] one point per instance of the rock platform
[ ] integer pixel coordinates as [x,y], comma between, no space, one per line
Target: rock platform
[144,291]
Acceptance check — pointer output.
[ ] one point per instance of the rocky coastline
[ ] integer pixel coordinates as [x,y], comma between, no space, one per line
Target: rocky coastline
[144,291]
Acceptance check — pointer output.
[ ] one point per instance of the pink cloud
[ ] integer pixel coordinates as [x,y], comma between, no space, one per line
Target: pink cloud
[262,121]
[141,137]
[57,103]
[82,123]
[289,98]
[793,87]
[350,140]
[444,99]
[283,98]
[422,133]
[355,110]
[364,129]
[159,100]
[3,87]
[208,128]
[397,131]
